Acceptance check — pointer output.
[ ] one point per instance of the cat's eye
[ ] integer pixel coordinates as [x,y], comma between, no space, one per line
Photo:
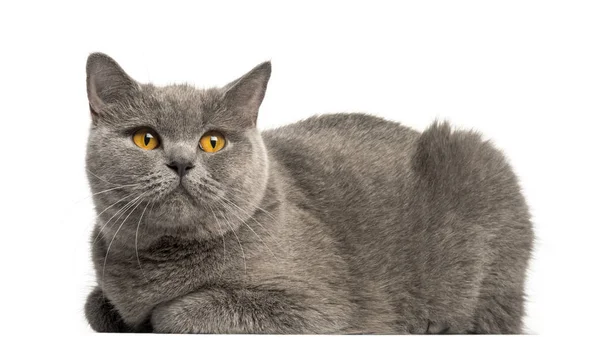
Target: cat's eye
[212,141]
[146,139]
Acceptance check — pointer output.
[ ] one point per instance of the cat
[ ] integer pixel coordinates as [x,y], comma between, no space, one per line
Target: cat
[337,224]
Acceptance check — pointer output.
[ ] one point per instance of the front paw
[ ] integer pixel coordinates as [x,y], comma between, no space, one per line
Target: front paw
[181,316]
[102,315]
[234,312]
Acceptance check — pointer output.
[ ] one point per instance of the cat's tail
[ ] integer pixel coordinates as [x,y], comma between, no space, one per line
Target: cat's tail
[462,169]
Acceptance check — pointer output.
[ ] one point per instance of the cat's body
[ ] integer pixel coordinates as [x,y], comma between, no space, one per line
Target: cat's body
[337,224]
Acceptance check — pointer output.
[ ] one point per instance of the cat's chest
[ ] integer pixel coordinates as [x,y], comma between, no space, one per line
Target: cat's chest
[135,282]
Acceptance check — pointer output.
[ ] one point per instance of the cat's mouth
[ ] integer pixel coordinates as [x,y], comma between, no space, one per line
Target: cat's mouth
[181,191]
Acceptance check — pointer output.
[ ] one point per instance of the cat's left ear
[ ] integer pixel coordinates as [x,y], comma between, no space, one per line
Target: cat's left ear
[245,95]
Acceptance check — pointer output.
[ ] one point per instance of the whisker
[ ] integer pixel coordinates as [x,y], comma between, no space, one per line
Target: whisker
[113,239]
[217,187]
[256,221]
[100,178]
[137,255]
[208,187]
[107,208]
[252,204]
[99,214]
[239,242]
[119,187]
[222,236]
[120,211]
[212,183]
[75,202]
[248,226]
[121,175]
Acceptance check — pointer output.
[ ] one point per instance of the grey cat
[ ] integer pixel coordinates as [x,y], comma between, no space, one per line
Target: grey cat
[343,223]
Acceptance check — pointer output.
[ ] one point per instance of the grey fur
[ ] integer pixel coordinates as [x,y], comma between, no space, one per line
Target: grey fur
[342,223]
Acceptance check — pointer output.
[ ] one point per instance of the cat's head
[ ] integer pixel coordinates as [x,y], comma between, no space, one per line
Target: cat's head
[174,159]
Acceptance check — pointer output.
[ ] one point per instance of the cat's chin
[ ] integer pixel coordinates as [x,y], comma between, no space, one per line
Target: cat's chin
[175,210]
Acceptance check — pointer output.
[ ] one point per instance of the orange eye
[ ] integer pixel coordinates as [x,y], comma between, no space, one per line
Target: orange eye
[212,141]
[146,139]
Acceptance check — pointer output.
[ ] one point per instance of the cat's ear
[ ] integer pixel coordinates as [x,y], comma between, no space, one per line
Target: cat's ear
[107,83]
[245,95]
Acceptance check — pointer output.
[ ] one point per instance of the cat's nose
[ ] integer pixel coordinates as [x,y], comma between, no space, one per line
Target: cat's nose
[181,168]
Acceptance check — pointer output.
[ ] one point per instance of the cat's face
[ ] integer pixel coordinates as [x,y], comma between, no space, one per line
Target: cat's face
[174,159]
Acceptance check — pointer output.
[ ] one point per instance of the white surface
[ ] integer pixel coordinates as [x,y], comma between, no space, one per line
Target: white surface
[526,74]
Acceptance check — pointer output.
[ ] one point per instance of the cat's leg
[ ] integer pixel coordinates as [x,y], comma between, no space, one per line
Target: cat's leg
[239,311]
[104,317]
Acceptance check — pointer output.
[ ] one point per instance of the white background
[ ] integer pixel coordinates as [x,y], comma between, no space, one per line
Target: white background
[525,74]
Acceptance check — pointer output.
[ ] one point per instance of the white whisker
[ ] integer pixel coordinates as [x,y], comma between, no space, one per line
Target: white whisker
[112,240]
[252,204]
[239,242]
[256,221]
[106,209]
[249,227]
[100,178]
[120,211]
[222,236]
[137,255]
[119,187]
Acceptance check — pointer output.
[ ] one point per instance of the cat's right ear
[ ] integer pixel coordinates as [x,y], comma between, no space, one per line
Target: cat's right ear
[107,83]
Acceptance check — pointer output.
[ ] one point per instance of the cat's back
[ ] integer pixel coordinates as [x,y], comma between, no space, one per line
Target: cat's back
[336,142]
[344,162]
[339,156]
[372,174]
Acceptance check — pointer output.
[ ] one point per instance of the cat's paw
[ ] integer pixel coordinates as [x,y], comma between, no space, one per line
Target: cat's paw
[178,316]
[205,311]
[102,315]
